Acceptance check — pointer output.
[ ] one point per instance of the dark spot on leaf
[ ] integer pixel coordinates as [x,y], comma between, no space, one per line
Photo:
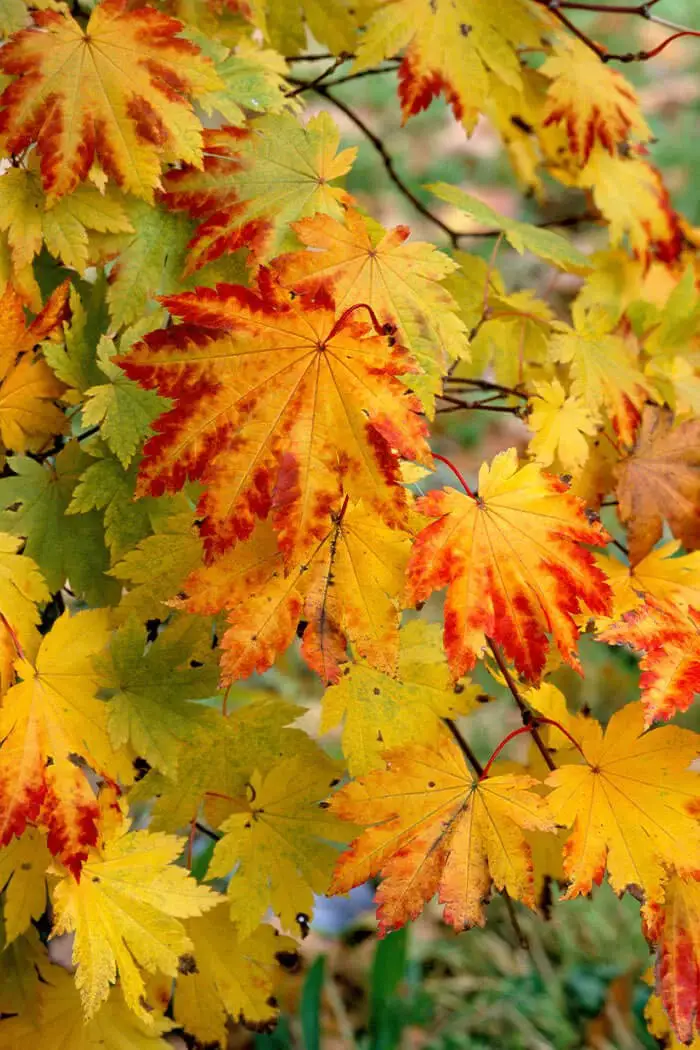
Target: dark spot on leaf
[187,964]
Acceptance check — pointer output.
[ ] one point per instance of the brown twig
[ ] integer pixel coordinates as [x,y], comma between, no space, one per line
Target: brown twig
[476,406]
[464,747]
[525,712]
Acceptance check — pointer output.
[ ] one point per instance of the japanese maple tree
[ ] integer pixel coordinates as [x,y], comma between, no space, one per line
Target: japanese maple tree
[222,390]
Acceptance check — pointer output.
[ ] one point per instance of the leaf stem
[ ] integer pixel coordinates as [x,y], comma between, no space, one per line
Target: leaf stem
[525,712]
[381,329]
[536,721]
[464,747]
[456,472]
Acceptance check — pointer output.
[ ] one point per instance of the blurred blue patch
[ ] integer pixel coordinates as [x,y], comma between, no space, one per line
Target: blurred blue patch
[333,915]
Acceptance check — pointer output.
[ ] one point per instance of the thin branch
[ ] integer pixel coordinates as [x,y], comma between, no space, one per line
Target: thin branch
[620,546]
[317,80]
[326,56]
[374,71]
[207,831]
[525,712]
[477,406]
[486,384]
[464,747]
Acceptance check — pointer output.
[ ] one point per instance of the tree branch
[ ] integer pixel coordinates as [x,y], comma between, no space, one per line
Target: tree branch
[525,712]
[464,747]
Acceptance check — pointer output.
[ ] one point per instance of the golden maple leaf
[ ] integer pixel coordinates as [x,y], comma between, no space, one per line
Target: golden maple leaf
[279,405]
[660,479]
[258,180]
[662,578]
[453,48]
[348,589]
[126,913]
[23,864]
[595,102]
[358,261]
[560,423]
[511,560]
[434,829]
[49,716]
[632,805]
[28,387]
[117,93]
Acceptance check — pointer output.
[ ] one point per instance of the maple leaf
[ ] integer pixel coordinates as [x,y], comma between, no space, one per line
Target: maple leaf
[511,560]
[670,642]
[116,93]
[452,48]
[63,548]
[660,1027]
[121,408]
[383,712]
[358,261]
[522,236]
[349,589]
[635,203]
[604,372]
[73,358]
[148,690]
[661,579]
[29,223]
[433,829]
[49,716]
[22,588]
[316,408]
[231,977]
[633,806]
[28,416]
[595,104]
[561,423]
[23,864]
[257,181]
[252,79]
[333,23]
[674,925]
[660,479]
[280,844]
[126,913]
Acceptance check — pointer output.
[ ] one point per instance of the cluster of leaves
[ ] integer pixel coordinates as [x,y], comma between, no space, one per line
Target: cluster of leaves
[217,380]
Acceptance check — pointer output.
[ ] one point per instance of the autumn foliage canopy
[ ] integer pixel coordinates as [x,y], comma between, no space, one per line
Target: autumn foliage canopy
[221,387]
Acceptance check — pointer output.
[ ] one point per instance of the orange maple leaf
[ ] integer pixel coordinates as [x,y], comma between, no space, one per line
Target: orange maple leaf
[117,93]
[348,589]
[675,926]
[660,479]
[513,565]
[434,829]
[670,641]
[28,387]
[279,405]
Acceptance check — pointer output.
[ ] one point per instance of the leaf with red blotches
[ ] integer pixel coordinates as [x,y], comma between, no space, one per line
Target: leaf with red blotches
[660,480]
[359,261]
[513,565]
[593,101]
[675,926]
[669,638]
[348,590]
[116,93]
[280,405]
[633,804]
[256,181]
[29,419]
[453,48]
[52,714]
[433,829]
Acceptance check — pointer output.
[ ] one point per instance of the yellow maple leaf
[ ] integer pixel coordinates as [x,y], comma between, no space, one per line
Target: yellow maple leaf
[51,715]
[605,373]
[434,829]
[117,92]
[560,423]
[358,261]
[595,102]
[661,576]
[279,844]
[23,864]
[28,416]
[55,1019]
[631,805]
[383,712]
[227,976]
[453,48]
[126,913]
[22,588]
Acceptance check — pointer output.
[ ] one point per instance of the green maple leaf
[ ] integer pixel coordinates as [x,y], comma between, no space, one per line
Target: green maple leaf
[75,363]
[64,548]
[149,689]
